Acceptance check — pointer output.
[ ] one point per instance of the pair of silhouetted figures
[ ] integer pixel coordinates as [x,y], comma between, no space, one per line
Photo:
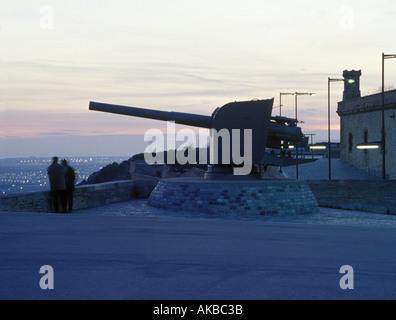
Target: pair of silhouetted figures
[62,179]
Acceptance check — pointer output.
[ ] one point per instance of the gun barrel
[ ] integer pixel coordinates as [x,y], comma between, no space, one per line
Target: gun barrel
[276,130]
[178,117]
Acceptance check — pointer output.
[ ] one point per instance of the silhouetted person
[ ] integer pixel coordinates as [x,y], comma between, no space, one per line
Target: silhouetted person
[56,174]
[70,176]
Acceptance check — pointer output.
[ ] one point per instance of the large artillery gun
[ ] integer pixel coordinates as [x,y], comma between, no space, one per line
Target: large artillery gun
[267,133]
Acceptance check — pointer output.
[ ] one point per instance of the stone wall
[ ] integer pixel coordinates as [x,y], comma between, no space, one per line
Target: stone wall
[84,197]
[369,196]
[361,123]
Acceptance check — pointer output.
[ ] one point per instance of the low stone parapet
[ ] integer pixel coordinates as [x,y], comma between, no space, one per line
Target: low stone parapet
[376,196]
[88,196]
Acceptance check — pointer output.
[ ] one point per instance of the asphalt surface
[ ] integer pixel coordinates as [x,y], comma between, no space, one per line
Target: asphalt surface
[131,251]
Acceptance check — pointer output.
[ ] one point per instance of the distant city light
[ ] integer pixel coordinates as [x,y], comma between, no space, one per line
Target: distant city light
[27,175]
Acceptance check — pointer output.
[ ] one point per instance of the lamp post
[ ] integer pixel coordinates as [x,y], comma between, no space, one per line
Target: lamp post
[311,135]
[280,100]
[297,94]
[330,80]
[383,141]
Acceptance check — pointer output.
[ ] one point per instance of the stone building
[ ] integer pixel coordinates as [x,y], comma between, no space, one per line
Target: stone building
[361,125]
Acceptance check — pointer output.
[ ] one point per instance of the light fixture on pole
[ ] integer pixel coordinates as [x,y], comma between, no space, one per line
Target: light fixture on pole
[367,146]
[330,80]
[318,147]
[297,94]
[383,141]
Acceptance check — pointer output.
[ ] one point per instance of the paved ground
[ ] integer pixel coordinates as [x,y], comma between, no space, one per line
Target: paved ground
[131,251]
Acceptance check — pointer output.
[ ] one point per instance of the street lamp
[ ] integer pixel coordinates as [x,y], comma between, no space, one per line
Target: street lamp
[280,100]
[383,142]
[330,80]
[297,94]
[311,135]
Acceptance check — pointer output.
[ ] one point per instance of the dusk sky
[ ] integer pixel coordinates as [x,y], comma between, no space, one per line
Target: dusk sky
[180,55]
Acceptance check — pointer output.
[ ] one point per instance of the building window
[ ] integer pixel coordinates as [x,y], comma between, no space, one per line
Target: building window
[350,142]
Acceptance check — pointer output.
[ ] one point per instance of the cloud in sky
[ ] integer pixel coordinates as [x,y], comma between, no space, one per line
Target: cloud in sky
[181,55]
[33,124]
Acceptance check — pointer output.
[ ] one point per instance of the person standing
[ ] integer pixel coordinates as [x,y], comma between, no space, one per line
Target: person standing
[56,174]
[70,176]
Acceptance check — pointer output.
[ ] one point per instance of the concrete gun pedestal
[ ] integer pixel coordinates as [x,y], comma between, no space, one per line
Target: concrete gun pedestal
[254,197]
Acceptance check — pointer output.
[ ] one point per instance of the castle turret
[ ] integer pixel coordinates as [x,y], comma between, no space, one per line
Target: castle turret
[352,84]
